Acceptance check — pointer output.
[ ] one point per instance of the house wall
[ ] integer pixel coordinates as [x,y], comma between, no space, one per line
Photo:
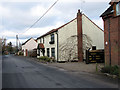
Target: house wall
[39,41]
[92,35]
[46,44]
[112,24]
[68,41]
[30,45]
[94,32]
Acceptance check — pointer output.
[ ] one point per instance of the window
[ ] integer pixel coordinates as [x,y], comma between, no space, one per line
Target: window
[52,39]
[40,40]
[53,52]
[43,40]
[118,9]
[93,47]
[48,52]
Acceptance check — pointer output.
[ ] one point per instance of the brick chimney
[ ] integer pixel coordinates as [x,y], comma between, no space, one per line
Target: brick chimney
[79,33]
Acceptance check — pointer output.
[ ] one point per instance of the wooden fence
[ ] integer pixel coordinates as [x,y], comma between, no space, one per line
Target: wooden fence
[96,56]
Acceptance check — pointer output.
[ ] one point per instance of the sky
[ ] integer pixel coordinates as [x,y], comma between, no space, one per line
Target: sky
[17,16]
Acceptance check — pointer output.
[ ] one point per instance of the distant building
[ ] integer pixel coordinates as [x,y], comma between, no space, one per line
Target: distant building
[70,41]
[29,46]
[111,19]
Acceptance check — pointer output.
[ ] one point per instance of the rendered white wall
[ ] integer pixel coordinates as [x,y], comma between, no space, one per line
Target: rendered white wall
[65,35]
[30,45]
[46,44]
[95,33]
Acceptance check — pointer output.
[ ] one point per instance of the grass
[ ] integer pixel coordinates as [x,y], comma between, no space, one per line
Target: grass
[113,70]
[45,58]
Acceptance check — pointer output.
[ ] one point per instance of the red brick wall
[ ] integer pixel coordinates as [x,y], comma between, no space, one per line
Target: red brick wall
[106,40]
[119,40]
[114,35]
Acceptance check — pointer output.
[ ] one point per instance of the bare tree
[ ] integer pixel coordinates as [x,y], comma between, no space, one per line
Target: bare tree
[87,43]
[68,49]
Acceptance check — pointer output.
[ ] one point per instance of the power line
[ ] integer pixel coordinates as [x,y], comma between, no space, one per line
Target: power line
[41,16]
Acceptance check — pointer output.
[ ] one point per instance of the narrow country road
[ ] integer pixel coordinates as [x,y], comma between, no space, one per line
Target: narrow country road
[20,72]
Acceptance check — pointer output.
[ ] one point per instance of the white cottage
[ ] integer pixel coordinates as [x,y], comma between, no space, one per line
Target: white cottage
[70,41]
[29,45]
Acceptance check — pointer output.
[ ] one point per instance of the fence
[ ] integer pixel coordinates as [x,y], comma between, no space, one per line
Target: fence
[94,56]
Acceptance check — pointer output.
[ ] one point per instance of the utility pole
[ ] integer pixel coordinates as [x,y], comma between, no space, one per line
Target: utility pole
[17,43]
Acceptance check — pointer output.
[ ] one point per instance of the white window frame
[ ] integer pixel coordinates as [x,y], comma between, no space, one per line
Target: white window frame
[118,9]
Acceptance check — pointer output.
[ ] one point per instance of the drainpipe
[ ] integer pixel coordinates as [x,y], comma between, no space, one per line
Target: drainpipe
[109,41]
[57,46]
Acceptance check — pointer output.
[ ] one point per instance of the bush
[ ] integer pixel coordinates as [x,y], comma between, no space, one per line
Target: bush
[114,70]
[33,54]
[21,53]
[45,58]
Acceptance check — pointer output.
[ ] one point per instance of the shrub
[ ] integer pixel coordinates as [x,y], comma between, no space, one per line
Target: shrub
[45,58]
[114,70]
[21,53]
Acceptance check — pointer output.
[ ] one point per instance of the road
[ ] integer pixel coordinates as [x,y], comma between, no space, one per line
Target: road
[20,72]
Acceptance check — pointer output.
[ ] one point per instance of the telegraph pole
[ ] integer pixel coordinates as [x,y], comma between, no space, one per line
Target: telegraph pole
[17,43]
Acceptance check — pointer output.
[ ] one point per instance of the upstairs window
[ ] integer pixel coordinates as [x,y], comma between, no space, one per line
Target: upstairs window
[40,40]
[43,40]
[52,38]
[118,9]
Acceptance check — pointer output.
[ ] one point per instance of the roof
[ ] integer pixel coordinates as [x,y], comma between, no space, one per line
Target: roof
[40,45]
[55,30]
[27,41]
[110,10]
[113,1]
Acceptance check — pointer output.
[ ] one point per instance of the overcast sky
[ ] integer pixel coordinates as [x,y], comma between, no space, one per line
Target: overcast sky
[18,15]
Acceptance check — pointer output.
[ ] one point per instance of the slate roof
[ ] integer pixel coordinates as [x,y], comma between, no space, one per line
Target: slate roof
[108,11]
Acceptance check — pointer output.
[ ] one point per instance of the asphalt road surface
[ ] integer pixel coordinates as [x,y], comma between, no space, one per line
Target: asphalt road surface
[20,72]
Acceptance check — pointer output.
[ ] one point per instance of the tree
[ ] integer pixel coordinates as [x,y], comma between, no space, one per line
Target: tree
[3,41]
[68,49]
[0,46]
[87,43]
[9,47]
